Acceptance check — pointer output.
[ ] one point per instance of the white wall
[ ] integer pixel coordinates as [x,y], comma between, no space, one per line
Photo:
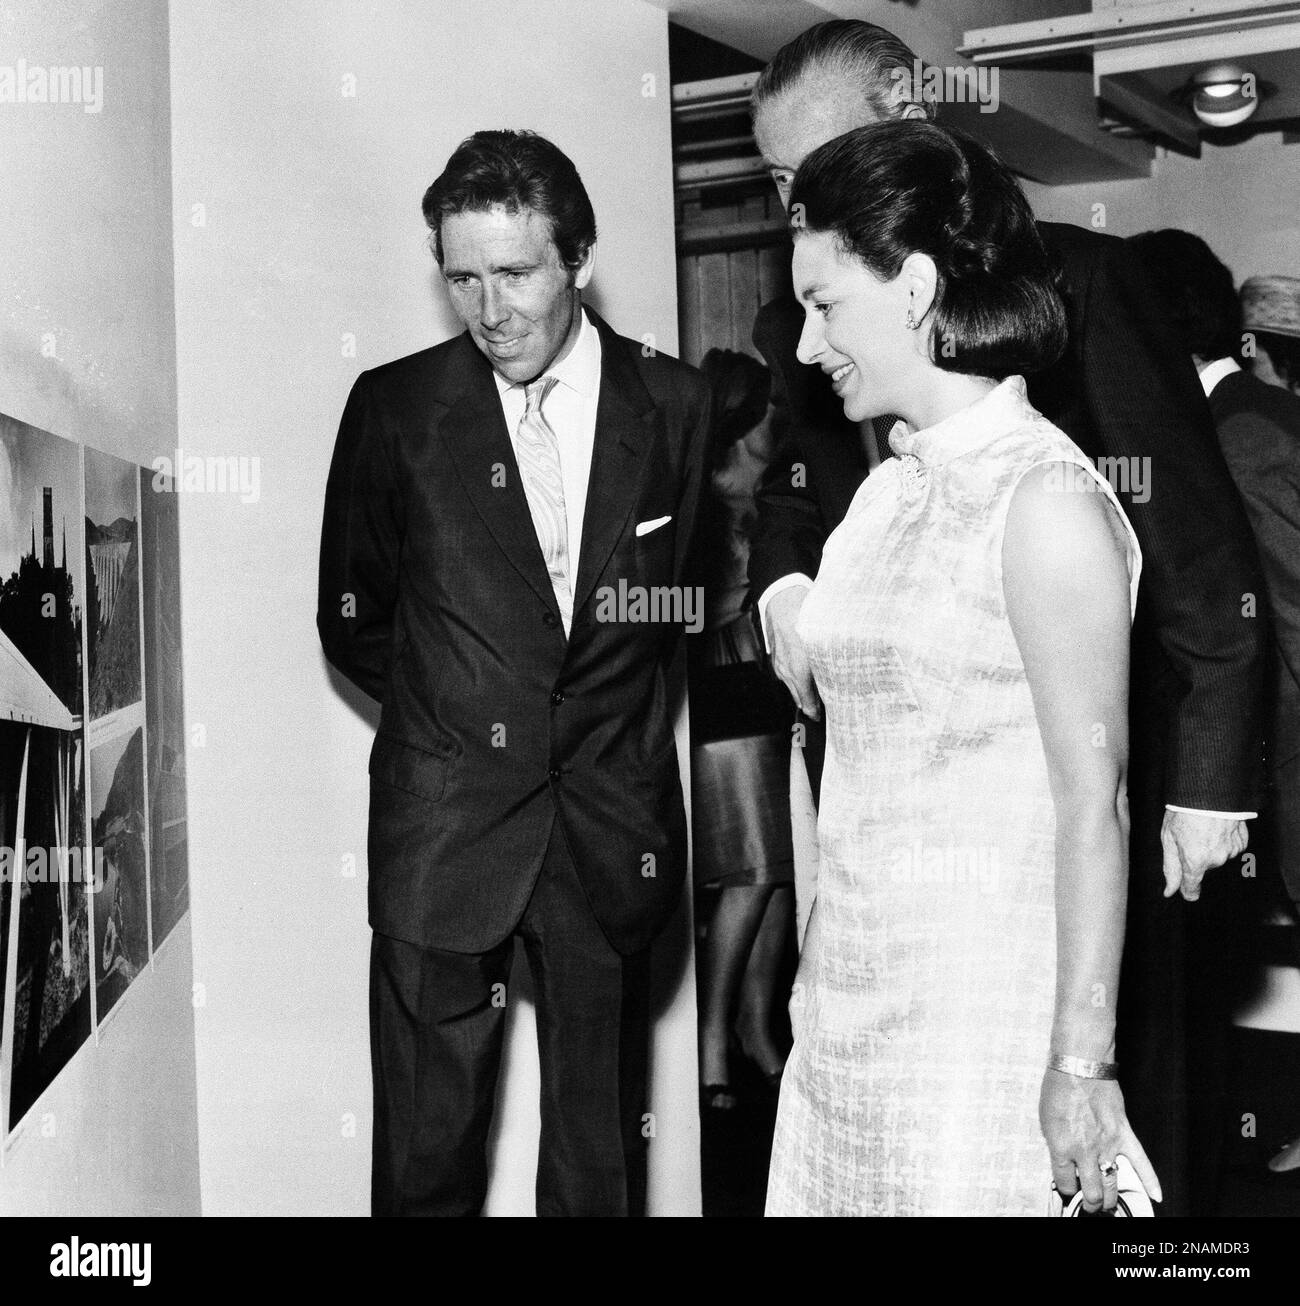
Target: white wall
[1242,200]
[86,231]
[310,235]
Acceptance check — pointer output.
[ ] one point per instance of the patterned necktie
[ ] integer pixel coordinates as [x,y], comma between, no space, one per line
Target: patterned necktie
[538,452]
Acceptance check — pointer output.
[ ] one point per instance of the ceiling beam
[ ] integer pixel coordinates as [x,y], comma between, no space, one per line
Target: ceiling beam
[1143,103]
[1123,25]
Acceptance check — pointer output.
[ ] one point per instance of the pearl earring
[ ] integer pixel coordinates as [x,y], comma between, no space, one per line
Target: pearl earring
[912,324]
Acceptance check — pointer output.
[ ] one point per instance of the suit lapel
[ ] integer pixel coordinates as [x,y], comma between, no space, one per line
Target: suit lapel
[624,437]
[474,429]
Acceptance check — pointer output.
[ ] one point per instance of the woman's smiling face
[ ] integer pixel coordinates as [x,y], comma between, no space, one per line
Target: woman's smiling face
[855,326]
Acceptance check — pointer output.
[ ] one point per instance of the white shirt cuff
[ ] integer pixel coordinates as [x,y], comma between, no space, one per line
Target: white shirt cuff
[785,583]
[1223,816]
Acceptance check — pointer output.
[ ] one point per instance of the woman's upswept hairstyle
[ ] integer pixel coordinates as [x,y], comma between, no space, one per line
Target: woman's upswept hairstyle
[902,187]
[519,170]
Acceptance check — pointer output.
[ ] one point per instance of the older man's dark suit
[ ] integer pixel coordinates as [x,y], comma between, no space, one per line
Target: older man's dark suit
[1122,389]
[502,745]
[1259,431]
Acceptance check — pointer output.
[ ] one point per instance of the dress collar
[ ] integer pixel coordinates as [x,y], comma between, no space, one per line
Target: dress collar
[1003,408]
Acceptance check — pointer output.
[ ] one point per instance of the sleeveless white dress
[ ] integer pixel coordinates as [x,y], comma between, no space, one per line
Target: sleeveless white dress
[923,1032]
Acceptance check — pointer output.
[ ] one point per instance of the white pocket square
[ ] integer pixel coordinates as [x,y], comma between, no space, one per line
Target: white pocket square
[645,527]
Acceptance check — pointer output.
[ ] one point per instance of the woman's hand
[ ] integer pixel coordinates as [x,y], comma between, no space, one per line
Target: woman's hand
[796,1007]
[803,978]
[1086,1128]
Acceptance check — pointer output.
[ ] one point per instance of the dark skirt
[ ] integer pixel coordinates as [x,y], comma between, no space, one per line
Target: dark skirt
[741,716]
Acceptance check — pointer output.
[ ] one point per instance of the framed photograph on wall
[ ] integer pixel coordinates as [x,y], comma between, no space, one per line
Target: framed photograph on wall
[164,703]
[116,798]
[118,840]
[113,583]
[45,993]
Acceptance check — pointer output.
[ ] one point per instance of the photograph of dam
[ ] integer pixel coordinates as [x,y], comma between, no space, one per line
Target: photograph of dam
[113,583]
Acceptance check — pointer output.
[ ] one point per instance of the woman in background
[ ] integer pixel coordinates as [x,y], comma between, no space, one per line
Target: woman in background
[740,754]
[969,635]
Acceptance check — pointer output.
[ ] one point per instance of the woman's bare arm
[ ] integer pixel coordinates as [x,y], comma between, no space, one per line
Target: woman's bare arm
[1067,592]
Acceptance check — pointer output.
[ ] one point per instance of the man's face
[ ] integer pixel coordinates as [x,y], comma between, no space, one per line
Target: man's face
[810,113]
[510,289]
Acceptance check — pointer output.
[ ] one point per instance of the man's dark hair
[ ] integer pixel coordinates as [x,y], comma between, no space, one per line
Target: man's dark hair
[1197,290]
[520,171]
[898,188]
[869,57]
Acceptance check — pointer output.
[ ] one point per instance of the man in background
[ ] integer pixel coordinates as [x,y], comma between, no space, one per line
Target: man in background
[1258,425]
[1270,311]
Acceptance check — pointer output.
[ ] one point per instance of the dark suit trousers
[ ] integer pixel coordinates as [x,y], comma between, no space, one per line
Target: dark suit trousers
[437,1021]
[1178,984]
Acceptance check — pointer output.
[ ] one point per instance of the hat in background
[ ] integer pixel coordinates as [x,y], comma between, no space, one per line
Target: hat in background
[1271,304]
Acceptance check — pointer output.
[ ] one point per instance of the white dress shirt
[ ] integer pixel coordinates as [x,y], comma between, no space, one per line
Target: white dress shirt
[1212,373]
[570,411]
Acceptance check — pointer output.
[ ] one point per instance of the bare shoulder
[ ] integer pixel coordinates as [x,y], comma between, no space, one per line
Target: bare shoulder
[1060,520]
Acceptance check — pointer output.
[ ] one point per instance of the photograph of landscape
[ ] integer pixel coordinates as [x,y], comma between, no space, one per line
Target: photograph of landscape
[44,949]
[164,706]
[113,583]
[121,901]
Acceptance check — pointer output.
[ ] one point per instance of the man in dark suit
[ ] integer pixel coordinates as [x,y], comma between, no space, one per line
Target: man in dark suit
[506,520]
[1258,428]
[1122,391]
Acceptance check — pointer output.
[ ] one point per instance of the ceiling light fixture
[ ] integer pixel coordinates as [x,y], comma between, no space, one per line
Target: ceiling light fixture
[1224,94]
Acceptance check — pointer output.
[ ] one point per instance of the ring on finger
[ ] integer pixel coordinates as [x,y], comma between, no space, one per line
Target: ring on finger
[1108,1169]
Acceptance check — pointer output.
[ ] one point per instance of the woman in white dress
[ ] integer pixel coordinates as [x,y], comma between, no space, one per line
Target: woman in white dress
[954,1010]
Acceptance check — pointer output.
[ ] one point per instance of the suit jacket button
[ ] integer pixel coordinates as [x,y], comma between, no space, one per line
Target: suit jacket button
[554,773]
[550,619]
[557,697]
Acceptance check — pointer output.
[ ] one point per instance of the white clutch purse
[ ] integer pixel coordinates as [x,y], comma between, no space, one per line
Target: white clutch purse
[1133,1199]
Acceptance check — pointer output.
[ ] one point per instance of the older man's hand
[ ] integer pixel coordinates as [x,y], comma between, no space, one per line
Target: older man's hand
[789,660]
[1194,843]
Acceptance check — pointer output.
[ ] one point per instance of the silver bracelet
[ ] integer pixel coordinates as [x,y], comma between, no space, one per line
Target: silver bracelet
[1083,1069]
